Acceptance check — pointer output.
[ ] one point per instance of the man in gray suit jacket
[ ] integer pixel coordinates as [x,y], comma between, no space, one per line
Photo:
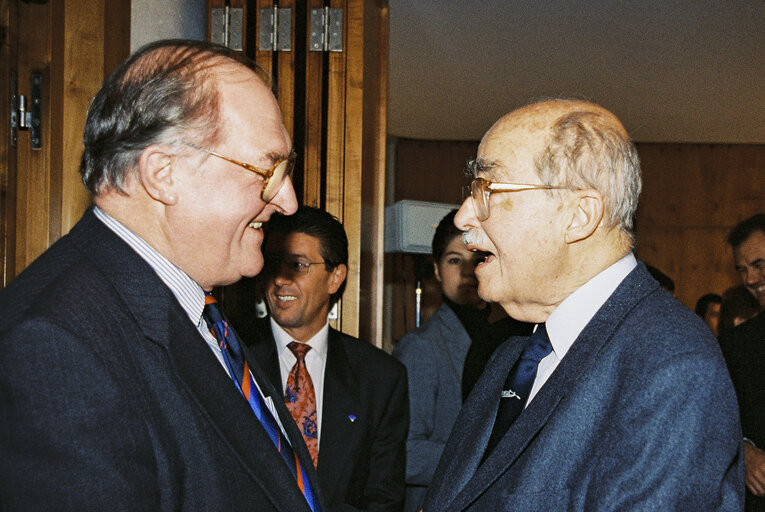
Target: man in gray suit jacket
[114,394]
[620,400]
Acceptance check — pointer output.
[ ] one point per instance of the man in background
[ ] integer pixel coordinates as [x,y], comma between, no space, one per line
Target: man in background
[347,397]
[114,392]
[744,349]
[620,400]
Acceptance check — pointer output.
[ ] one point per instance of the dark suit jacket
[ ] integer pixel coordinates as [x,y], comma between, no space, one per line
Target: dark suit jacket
[361,462]
[744,350]
[111,399]
[639,415]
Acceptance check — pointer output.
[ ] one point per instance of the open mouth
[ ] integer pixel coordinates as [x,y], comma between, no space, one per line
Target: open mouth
[255,225]
[285,298]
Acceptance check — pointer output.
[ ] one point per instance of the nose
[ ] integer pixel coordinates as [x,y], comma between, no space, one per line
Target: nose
[465,218]
[285,199]
[753,275]
[281,276]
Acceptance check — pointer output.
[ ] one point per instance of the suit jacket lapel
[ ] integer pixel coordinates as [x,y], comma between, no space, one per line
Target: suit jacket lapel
[582,354]
[164,322]
[462,455]
[264,350]
[342,418]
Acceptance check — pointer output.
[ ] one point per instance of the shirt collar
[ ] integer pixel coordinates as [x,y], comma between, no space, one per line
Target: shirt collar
[569,319]
[318,342]
[189,294]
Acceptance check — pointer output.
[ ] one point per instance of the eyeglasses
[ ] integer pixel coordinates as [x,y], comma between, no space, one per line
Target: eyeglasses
[276,264]
[481,189]
[272,178]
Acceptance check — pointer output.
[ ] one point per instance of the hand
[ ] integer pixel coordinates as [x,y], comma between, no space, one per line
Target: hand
[754,462]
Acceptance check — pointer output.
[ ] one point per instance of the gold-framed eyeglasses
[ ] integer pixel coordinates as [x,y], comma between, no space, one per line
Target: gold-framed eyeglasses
[272,178]
[480,190]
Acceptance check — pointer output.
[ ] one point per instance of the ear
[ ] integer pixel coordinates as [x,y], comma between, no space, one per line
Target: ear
[586,214]
[155,171]
[337,277]
[435,271]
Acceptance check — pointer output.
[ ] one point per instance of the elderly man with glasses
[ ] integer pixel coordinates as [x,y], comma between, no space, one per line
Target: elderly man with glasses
[620,400]
[122,386]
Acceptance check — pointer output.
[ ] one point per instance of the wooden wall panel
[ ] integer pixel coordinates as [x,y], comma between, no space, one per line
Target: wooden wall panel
[72,44]
[33,178]
[8,53]
[692,195]
[371,282]
[432,170]
[314,118]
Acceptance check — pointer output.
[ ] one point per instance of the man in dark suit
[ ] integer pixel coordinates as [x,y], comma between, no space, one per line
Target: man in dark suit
[113,391]
[620,400]
[348,397]
[744,350]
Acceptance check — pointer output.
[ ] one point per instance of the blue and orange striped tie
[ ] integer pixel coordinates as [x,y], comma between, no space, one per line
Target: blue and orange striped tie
[240,373]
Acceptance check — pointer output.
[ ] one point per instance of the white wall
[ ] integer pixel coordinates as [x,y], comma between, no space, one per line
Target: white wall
[167,19]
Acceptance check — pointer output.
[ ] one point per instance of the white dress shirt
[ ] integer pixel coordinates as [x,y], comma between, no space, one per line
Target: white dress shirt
[568,320]
[315,362]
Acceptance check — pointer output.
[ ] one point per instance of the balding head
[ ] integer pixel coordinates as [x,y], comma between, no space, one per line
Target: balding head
[578,145]
[559,186]
[163,94]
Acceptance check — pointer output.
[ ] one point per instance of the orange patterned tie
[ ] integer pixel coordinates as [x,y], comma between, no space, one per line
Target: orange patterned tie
[301,399]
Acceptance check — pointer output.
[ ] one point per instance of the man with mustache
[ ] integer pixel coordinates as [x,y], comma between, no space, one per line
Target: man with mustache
[620,400]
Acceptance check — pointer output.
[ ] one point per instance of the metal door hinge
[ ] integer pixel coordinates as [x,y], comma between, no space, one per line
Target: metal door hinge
[326,30]
[26,113]
[275,30]
[226,26]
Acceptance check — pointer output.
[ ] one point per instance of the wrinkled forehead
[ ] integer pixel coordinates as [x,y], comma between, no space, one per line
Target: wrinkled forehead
[508,150]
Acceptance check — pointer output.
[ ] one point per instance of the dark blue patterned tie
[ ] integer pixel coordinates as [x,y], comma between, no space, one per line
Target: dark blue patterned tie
[240,373]
[518,385]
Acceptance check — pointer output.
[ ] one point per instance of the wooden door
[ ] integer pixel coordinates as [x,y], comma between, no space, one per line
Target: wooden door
[64,49]
[334,106]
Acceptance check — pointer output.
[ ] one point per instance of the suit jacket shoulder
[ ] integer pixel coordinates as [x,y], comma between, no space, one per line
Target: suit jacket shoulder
[125,390]
[618,408]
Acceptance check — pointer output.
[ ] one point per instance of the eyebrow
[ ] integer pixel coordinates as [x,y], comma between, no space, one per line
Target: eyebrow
[477,165]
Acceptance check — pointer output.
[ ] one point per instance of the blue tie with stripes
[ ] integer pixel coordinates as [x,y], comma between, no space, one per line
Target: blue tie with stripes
[240,373]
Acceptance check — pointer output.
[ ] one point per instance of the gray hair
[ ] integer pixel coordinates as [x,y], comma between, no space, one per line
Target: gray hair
[162,94]
[589,149]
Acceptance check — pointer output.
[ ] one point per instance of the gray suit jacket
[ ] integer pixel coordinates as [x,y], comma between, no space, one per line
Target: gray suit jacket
[640,415]
[434,356]
[110,399]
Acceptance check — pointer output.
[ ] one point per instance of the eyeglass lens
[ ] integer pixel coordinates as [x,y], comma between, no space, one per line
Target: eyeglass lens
[274,183]
[480,193]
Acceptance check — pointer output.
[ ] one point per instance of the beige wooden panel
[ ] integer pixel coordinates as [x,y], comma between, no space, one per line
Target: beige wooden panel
[263,58]
[76,81]
[343,173]
[33,174]
[8,62]
[371,284]
[286,76]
